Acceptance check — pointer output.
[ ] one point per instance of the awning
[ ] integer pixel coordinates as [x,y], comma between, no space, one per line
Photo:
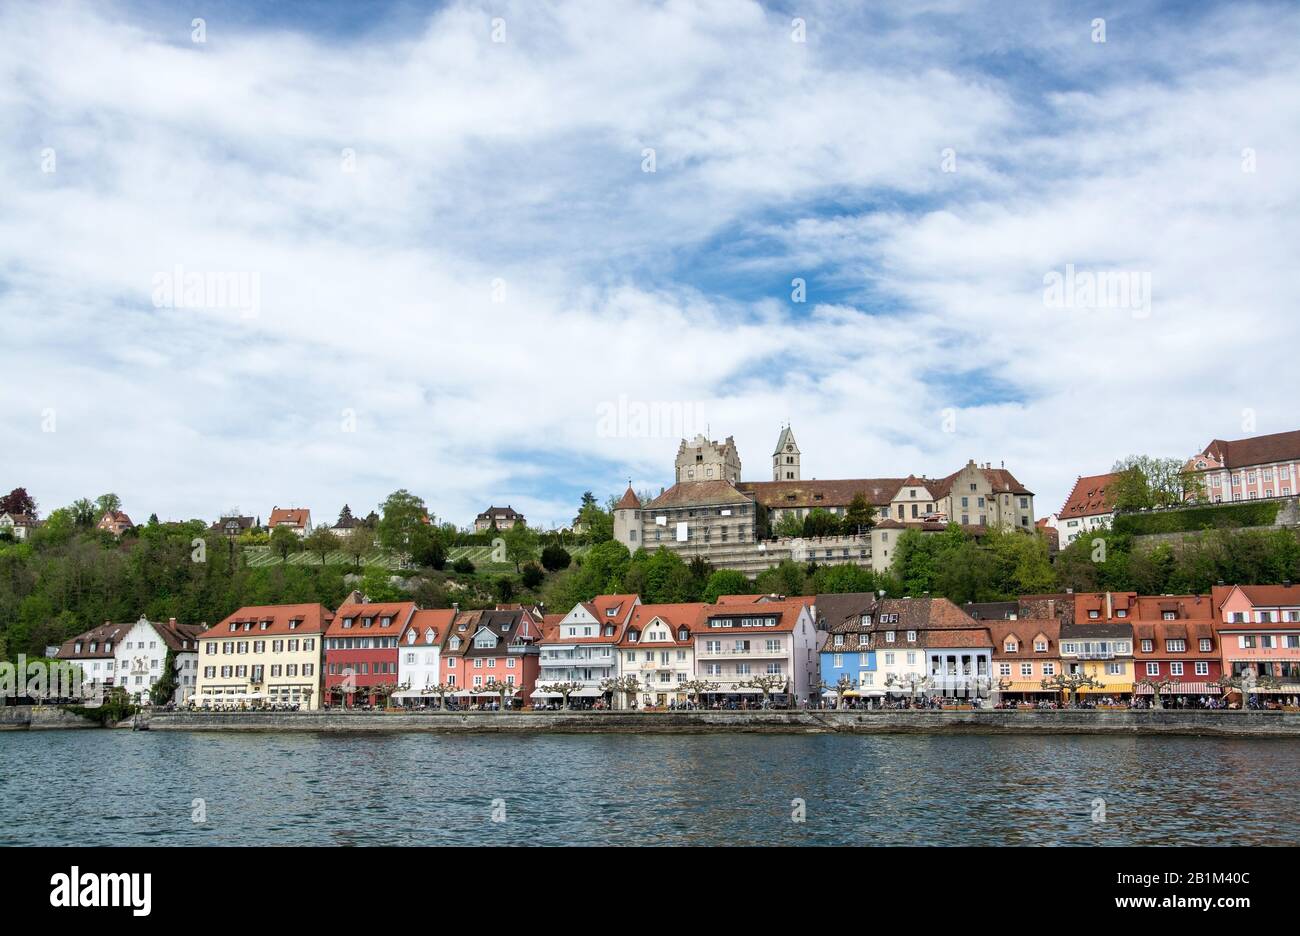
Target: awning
[1028,687]
[1182,688]
[736,690]
[1112,689]
[539,694]
[586,694]
[1286,688]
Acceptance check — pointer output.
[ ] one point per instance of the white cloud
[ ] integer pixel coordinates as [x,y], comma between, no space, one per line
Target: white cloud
[521,162]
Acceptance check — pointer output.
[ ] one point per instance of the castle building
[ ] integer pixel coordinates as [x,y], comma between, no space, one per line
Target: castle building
[704,460]
[711,513]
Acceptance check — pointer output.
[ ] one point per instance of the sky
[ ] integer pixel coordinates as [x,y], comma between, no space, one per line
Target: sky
[504,253]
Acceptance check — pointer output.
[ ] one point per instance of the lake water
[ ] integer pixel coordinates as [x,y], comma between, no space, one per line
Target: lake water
[122,787]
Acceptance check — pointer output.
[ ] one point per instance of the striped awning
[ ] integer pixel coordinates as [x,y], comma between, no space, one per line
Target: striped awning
[1029,687]
[1181,688]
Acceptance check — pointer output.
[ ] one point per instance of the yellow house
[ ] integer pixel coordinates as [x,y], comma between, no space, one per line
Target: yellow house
[263,655]
[1102,651]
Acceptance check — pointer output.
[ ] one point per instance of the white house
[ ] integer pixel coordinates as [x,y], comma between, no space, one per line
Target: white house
[94,653]
[419,654]
[584,646]
[657,648]
[141,657]
[18,525]
[738,641]
[1090,506]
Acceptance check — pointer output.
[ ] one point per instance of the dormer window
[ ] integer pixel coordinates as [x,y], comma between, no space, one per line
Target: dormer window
[610,612]
[632,636]
[265,624]
[453,644]
[366,622]
[681,634]
[385,622]
[347,623]
[609,630]
[839,640]
[1122,612]
[428,635]
[1040,646]
[1093,615]
[233,627]
[76,648]
[1010,646]
[293,624]
[248,625]
[410,637]
[866,620]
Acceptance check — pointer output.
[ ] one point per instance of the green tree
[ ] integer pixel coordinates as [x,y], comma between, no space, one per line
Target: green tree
[106,503]
[859,517]
[162,691]
[403,514]
[598,521]
[463,565]
[322,541]
[427,547]
[726,582]
[789,526]
[532,575]
[555,557]
[521,545]
[821,522]
[285,541]
[358,544]
[503,588]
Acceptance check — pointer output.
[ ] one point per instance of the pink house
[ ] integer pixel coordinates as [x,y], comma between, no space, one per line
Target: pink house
[1250,469]
[1259,629]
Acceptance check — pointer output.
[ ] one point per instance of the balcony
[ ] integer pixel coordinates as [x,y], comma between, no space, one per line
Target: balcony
[751,652]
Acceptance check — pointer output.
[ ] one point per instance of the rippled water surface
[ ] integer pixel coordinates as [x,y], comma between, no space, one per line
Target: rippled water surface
[122,787]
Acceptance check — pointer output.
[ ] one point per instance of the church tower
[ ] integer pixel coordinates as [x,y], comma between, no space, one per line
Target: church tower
[785,460]
[627,519]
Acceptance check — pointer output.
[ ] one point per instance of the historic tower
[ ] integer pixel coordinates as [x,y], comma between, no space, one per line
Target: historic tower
[627,519]
[785,460]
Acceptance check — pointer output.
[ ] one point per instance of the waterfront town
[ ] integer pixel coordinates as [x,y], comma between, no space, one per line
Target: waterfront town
[1237,646]
[1234,645]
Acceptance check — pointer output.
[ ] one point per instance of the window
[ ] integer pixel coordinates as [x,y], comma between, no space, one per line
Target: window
[1040,646]
[1206,645]
[1153,669]
[1176,668]
[1175,646]
[1004,669]
[1202,668]
[1026,669]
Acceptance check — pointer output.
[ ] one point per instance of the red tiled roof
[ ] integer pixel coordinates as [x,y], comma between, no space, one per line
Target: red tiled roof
[1092,494]
[296,516]
[439,619]
[1026,632]
[312,618]
[786,612]
[1258,450]
[399,613]
[629,501]
[698,494]
[676,616]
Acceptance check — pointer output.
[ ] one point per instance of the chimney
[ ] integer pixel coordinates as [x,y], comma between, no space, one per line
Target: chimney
[1051,607]
[1069,591]
[455,607]
[1110,606]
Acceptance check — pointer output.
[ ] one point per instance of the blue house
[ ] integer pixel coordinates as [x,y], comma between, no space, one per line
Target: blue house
[841,655]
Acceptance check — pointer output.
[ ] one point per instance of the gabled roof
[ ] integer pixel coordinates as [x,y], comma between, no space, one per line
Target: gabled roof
[1025,632]
[675,616]
[439,620]
[512,628]
[1272,596]
[311,618]
[398,612]
[1258,450]
[629,500]
[1092,495]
